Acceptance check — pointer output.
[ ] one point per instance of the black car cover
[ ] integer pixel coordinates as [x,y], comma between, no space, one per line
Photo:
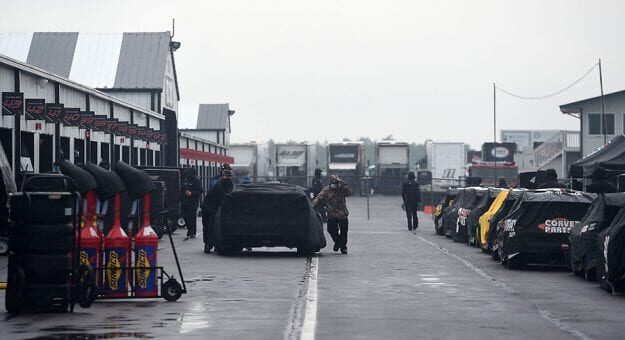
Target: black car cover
[611,254]
[108,182]
[473,198]
[584,236]
[446,200]
[268,214]
[137,182]
[539,224]
[510,201]
[83,179]
[473,219]
[450,214]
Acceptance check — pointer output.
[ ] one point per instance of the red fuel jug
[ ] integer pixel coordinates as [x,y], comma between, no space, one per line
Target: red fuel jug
[146,247]
[116,256]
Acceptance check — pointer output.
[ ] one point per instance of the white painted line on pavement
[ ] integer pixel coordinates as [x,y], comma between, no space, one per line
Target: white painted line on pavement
[543,313]
[310,315]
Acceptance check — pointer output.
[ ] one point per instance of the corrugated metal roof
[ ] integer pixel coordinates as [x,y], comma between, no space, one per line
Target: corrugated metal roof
[142,60]
[96,58]
[213,116]
[15,45]
[53,51]
[100,60]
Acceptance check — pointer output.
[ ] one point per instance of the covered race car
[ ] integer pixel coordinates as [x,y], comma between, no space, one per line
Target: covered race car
[491,234]
[450,214]
[537,227]
[473,198]
[472,221]
[268,215]
[446,201]
[611,260]
[484,221]
[583,237]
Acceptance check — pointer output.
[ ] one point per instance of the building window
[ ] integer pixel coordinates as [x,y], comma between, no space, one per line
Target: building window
[594,124]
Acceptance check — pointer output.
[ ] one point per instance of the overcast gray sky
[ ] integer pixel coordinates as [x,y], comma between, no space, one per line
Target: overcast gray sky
[328,69]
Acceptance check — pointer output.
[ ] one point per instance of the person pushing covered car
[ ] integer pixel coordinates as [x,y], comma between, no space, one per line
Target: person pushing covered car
[333,196]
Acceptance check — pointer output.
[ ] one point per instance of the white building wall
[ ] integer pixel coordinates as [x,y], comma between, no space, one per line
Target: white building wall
[141,99]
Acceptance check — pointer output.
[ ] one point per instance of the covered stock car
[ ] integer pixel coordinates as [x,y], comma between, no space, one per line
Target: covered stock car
[473,197]
[473,219]
[481,237]
[584,251]
[536,228]
[450,214]
[611,258]
[447,200]
[268,215]
[490,233]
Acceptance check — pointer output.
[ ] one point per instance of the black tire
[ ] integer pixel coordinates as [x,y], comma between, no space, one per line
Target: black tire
[494,254]
[14,296]
[171,290]
[159,230]
[86,286]
[228,250]
[590,274]
[4,246]
[515,263]
[305,252]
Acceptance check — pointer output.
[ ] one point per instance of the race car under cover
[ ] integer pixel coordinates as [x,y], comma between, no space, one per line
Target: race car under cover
[268,215]
[537,227]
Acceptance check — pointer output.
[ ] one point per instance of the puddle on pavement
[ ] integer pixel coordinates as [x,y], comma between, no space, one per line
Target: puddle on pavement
[208,278]
[195,319]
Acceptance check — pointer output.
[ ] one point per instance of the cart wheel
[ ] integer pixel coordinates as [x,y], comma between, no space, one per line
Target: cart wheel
[171,290]
[86,286]
[15,290]
[181,223]
[4,246]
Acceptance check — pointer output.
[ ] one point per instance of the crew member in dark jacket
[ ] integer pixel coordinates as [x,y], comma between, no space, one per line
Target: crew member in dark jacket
[191,190]
[211,204]
[411,194]
[600,183]
[551,181]
[316,188]
[333,196]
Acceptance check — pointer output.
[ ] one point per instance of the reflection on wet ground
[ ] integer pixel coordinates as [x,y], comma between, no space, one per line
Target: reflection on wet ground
[91,336]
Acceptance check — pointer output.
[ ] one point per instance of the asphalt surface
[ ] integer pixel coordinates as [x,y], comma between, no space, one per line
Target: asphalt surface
[392,285]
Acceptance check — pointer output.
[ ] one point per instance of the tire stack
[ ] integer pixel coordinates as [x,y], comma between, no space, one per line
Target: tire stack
[42,259]
[157,208]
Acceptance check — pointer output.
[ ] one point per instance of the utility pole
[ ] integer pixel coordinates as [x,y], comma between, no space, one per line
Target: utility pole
[495,130]
[603,120]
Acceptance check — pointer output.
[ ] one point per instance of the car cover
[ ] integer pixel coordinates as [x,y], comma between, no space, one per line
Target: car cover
[108,182]
[268,214]
[137,182]
[484,220]
[472,199]
[446,200]
[611,260]
[450,214]
[171,177]
[82,179]
[472,221]
[539,223]
[583,237]
[491,234]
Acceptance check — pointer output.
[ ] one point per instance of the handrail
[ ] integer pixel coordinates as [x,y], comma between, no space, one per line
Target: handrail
[555,146]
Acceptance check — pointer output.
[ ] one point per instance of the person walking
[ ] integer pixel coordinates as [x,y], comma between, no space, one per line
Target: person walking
[211,205]
[333,196]
[600,183]
[191,191]
[411,195]
[316,188]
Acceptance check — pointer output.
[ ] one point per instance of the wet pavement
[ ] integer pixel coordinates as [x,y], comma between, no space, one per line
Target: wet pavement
[393,284]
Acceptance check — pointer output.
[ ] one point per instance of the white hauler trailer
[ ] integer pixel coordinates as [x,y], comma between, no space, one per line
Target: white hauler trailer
[348,162]
[245,161]
[292,164]
[392,166]
[447,162]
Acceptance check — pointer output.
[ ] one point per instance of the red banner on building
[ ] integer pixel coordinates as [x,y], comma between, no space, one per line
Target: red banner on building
[205,156]
[35,109]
